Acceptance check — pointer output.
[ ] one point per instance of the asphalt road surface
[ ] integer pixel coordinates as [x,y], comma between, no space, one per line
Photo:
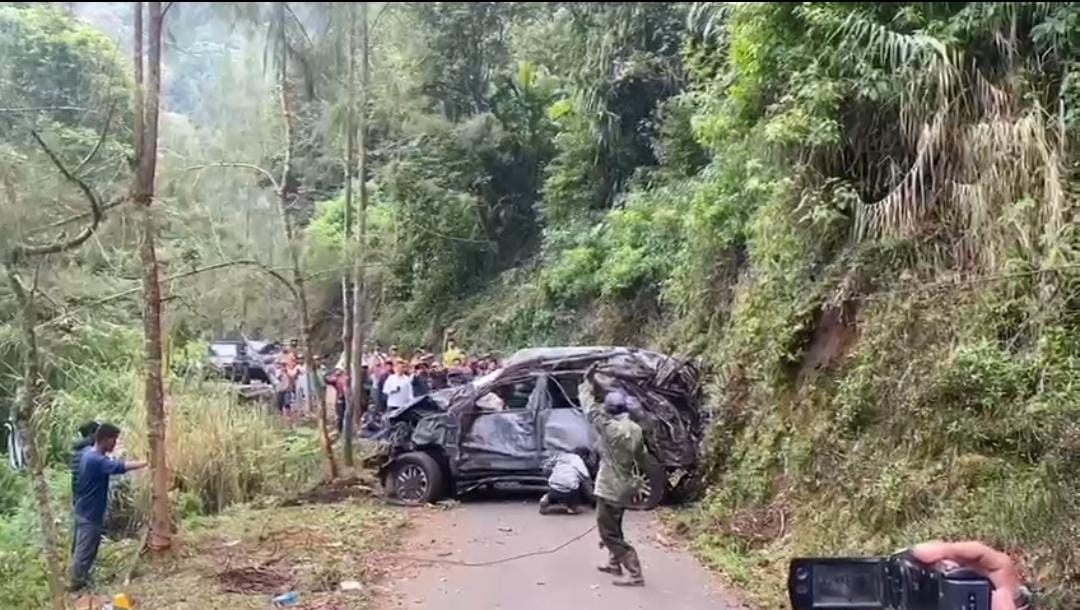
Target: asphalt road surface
[485,531]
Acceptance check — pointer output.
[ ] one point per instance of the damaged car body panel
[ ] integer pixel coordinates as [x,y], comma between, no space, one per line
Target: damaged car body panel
[504,426]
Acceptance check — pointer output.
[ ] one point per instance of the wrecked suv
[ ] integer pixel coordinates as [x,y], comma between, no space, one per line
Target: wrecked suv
[501,428]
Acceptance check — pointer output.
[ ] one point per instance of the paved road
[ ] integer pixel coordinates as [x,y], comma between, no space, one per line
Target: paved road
[489,530]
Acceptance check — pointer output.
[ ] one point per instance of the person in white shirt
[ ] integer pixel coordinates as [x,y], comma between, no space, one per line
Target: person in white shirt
[569,484]
[398,386]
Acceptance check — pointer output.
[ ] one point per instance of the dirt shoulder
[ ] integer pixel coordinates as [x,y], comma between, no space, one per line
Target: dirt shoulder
[243,557]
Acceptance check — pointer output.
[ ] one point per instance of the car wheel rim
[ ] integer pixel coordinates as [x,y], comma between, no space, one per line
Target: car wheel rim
[411,483]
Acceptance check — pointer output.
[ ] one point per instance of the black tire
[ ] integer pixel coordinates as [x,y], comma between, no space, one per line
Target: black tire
[415,478]
[654,488]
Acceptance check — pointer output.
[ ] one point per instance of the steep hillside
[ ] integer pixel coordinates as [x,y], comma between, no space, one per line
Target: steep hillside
[862,218]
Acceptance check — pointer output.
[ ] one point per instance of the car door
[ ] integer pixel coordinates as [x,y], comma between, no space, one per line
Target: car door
[563,424]
[503,434]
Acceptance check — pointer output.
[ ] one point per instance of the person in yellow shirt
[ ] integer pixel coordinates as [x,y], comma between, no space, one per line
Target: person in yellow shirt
[451,353]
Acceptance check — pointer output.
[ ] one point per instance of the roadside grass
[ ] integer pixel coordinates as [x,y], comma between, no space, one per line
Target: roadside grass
[244,556]
[759,578]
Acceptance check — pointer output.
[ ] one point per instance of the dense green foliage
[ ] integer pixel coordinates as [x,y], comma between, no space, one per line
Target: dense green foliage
[861,217]
[221,453]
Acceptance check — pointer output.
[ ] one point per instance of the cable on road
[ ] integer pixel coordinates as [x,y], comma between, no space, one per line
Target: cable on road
[482,564]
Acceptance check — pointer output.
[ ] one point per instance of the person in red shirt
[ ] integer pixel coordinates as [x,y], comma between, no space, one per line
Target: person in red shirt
[289,366]
[339,380]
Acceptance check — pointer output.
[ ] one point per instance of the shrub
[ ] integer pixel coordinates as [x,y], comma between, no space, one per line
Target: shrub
[223,452]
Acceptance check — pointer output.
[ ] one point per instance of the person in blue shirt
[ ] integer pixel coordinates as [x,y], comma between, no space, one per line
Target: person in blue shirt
[86,440]
[91,495]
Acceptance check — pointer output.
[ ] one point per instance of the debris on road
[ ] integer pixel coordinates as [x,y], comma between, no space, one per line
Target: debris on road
[286,599]
[254,579]
[351,585]
[334,492]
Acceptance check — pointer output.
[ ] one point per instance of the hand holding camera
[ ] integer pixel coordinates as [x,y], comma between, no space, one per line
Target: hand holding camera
[997,567]
[931,576]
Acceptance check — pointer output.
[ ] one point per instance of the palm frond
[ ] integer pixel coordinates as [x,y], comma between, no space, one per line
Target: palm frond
[902,210]
[706,20]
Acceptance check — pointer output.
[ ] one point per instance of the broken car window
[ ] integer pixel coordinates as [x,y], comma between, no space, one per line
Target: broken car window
[563,390]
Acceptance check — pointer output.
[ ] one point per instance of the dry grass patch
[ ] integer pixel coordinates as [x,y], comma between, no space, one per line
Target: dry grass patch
[244,556]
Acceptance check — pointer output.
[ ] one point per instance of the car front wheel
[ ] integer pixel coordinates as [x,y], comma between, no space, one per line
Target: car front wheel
[415,478]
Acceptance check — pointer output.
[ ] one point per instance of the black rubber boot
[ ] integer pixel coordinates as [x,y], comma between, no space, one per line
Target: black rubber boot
[634,577]
[613,567]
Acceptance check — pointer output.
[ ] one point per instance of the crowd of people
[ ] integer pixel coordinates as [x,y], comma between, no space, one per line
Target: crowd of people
[394,379]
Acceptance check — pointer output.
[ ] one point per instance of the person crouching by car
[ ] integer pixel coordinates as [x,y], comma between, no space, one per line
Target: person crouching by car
[569,484]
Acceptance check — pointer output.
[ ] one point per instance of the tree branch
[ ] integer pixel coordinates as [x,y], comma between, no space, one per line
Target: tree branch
[77,217]
[382,9]
[40,109]
[299,24]
[96,214]
[100,142]
[265,173]
[172,278]
[17,286]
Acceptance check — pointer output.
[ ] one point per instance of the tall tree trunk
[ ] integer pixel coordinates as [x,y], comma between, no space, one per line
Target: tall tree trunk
[360,294]
[351,352]
[24,419]
[137,64]
[147,99]
[294,245]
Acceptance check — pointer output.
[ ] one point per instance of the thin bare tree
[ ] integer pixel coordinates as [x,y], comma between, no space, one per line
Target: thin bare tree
[287,199]
[350,351]
[359,314]
[145,133]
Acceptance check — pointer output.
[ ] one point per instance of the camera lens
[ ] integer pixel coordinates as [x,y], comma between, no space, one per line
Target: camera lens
[802,573]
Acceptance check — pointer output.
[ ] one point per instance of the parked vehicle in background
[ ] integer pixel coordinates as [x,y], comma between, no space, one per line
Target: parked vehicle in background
[502,427]
[241,360]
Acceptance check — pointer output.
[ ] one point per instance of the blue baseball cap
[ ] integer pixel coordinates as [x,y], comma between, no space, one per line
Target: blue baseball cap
[615,402]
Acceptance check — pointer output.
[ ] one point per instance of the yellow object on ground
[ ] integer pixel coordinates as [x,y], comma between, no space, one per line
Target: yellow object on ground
[120,601]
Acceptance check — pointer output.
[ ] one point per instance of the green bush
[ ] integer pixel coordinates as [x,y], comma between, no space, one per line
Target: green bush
[221,452]
[572,278]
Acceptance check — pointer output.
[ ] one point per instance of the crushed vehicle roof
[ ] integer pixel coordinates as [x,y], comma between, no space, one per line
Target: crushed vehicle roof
[665,391]
[558,353]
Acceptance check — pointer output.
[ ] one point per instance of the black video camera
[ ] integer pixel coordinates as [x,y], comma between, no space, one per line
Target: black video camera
[898,582]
